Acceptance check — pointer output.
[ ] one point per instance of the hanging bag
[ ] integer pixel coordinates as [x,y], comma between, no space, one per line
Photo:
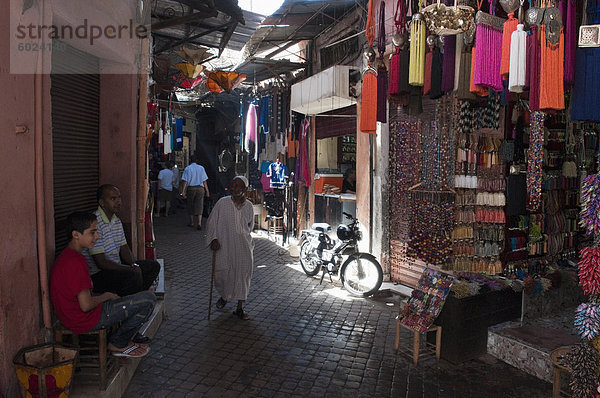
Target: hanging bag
[446,21]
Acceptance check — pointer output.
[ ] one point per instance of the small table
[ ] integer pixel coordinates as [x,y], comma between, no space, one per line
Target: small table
[558,367]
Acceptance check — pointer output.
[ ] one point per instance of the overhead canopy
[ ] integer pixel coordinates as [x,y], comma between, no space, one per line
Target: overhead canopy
[259,69]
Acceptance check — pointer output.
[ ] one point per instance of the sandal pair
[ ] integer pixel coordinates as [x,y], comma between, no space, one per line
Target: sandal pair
[133,351]
[241,314]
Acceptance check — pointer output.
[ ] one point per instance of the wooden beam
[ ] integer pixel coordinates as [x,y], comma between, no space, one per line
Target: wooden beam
[227,35]
[188,39]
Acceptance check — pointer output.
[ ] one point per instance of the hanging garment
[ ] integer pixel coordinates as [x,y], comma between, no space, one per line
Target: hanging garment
[552,94]
[509,27]
[518,60]
[302,169]
[263,119]
[278,173]
[585,105]
[449,64]
[251,126]
[533,67]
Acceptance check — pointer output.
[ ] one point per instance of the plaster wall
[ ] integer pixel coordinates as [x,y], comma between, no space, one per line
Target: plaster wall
[20,323]
[117,151]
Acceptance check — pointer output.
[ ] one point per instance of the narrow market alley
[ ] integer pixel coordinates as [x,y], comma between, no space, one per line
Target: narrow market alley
[302,340]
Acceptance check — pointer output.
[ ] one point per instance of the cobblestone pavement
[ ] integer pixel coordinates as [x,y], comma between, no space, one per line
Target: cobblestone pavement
[302,340]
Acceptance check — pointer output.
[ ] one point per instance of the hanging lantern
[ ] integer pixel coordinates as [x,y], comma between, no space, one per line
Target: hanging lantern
[219,81]
[190,71]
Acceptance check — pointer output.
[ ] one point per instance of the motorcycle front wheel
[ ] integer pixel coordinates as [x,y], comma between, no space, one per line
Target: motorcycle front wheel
[309,260]
[361,274]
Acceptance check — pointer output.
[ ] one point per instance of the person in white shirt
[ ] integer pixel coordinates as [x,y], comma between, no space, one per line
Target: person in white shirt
[165,188]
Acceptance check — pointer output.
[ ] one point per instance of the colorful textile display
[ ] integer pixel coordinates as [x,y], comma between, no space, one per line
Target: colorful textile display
[426,300]
[583,362]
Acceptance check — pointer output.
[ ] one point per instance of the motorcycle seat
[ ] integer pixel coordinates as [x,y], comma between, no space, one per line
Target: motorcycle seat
[321,227]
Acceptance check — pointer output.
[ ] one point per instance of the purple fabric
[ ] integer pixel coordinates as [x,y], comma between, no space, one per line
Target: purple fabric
[533,67]
[488,57]
[449,64]
[382,83]
[570,43]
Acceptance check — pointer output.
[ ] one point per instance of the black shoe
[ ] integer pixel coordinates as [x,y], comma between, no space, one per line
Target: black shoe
[140,339]
[241,314]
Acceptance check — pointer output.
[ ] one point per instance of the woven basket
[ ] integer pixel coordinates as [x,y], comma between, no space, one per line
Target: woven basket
[445,21]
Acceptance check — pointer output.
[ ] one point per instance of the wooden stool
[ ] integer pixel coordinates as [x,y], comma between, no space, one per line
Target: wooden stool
[420,347]
[558,369]
[275,225]
[94,362]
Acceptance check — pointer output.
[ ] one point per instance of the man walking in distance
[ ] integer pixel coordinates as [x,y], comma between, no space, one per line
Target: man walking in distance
[194,187]
[229,226]
[165,188]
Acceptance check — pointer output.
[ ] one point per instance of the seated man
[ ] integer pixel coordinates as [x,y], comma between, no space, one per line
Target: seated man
[79,310]
[110,261]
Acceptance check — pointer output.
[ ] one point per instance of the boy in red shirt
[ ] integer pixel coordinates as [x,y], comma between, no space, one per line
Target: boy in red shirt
[79,310]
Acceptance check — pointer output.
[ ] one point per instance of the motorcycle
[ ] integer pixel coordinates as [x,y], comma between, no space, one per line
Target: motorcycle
[360,273]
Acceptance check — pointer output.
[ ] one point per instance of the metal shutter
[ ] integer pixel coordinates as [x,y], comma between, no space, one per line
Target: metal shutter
[75,101]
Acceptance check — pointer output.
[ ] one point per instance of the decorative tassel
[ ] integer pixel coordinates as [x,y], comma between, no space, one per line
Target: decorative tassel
[427,77]
[488,57]
[533,68]
[368,111]
[552,93]
[589,270]
[509,27]
[583,362]
[589,217]
[394,73]
[416,75]
[382,77]
[474,88]
[368,105]
[449,65]
[587,321]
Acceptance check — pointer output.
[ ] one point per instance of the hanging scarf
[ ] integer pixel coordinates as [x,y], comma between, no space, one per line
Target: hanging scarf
[302,169]
[518,60]
[382,80]
[368,108]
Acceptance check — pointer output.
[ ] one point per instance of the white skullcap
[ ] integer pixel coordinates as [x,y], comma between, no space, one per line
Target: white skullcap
[244,180]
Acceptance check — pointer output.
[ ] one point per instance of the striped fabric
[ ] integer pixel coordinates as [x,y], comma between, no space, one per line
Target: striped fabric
[112,237]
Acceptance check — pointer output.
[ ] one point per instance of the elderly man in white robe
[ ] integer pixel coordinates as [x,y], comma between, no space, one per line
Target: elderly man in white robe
[229,226]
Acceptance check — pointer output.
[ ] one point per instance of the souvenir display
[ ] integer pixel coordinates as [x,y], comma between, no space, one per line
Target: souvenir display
[426,301]
[534,161]
[590,204]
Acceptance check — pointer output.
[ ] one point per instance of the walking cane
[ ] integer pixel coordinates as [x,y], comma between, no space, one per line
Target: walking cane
[212,279]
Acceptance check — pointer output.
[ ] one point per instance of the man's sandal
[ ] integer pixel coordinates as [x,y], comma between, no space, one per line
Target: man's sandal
[241,314]
[221,303]
[134,351]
